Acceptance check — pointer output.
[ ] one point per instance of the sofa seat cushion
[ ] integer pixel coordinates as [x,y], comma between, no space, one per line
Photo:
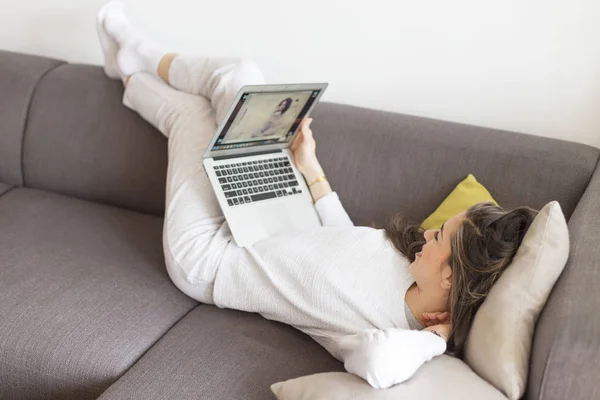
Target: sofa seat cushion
[4,188]
[222,354]
[83,294]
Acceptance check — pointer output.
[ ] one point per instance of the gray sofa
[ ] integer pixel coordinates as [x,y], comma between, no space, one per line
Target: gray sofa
[87,308]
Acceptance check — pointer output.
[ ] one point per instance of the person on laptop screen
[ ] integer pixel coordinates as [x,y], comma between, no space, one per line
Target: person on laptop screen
[266,116]
[275,121]
[360,292]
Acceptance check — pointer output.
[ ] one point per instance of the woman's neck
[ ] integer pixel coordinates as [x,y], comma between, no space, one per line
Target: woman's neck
[418,301]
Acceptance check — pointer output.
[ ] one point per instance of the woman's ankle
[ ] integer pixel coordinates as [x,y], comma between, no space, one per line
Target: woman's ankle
[165,65]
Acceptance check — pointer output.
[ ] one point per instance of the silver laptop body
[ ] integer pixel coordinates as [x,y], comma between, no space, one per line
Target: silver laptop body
[251,167]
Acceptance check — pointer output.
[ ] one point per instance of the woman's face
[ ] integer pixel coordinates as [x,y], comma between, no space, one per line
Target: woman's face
[431,269]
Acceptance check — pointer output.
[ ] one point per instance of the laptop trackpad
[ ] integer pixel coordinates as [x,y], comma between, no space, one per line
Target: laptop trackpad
[276,218]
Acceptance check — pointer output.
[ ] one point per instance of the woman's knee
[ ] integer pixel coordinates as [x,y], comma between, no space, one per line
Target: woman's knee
[248,72]
[198,290]
[195,249]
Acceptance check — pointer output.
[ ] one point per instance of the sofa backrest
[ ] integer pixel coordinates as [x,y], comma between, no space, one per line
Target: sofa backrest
[381,163]
[76,138]
[63,128]
[68,132]
[19,75]
[80,140]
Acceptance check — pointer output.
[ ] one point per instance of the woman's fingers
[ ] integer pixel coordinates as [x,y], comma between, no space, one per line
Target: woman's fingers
[306,122]
[296,141]
[303,125]
[427,319]
[305,134]
[436,318]
[442,317]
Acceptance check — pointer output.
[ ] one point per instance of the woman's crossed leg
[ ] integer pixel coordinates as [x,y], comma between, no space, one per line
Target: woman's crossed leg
[184,98]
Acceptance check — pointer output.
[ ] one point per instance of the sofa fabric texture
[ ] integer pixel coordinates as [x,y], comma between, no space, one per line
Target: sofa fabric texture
[566,345]
[237,354]
[381,163]
[81,141]
[19,76]
[4,188]
[85,299]
[80,302]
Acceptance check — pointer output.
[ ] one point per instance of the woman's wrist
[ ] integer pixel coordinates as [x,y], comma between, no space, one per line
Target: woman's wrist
[436,334]
[440,332]
[312,172]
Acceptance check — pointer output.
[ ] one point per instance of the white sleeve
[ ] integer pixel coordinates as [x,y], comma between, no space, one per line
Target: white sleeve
[389,356]
[332,211]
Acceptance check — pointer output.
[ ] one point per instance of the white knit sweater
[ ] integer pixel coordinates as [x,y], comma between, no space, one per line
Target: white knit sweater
[341,284]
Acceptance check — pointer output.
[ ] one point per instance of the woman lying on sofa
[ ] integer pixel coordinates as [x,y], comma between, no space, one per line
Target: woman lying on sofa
[383,301]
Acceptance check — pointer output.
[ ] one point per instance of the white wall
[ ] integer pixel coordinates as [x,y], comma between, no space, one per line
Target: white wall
[524,65]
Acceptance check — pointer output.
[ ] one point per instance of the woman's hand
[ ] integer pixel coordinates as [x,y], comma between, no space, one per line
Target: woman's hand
[443,330]
[303,148]
[435,318]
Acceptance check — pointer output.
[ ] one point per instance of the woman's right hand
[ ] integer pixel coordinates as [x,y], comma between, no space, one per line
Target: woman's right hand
[435,318]
[303,148]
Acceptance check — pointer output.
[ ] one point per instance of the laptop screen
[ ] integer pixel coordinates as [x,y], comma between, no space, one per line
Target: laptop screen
[265,118]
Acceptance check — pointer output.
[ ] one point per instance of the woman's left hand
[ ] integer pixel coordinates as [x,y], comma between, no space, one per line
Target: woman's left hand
[436,318]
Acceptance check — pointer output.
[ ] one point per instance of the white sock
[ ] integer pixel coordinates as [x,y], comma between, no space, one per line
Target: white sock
[110,47]
[136,53]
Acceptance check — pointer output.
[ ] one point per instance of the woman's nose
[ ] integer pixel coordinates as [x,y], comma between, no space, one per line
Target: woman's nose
[428,235]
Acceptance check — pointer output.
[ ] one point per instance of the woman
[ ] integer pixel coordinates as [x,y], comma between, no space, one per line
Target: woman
[365,294]
[275,120]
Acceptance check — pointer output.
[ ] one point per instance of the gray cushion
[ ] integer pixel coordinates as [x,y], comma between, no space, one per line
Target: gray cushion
[566,347]
[83,294]
[19,75]
[222,354]
[4,188]
[83,142]
[381,163]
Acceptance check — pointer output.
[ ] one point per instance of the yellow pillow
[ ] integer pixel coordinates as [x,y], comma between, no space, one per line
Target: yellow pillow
[468,193]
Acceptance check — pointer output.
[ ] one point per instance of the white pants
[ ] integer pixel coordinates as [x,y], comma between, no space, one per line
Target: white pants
[187,111]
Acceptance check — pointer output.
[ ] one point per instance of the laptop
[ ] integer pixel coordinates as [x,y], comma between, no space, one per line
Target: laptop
[251,167]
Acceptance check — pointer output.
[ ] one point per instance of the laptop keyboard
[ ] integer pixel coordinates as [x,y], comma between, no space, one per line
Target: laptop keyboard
[252,181]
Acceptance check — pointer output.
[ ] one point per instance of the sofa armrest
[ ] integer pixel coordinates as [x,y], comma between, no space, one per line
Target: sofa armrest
[566,348]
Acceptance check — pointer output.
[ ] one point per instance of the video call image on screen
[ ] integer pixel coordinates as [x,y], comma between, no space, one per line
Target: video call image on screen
[266,117]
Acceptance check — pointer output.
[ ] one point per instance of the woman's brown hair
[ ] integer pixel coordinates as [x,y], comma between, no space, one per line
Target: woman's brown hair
[482,247]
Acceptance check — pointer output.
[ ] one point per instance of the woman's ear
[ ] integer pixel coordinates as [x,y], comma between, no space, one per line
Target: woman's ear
[446,277]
